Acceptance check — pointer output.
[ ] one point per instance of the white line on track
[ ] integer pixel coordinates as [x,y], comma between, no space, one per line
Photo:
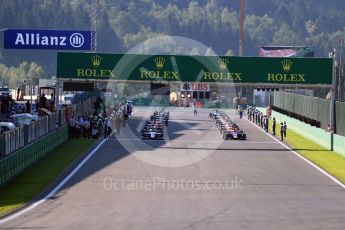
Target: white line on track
[301,157]
[56,189]
[195,141]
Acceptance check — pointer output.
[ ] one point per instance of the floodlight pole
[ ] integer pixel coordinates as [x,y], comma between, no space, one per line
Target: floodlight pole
[94,26]
[241,27]
[332,102]
[340,70]
[57,95]
[241,44]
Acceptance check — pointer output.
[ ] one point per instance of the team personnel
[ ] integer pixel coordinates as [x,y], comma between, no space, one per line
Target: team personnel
[274,126]
[266,123]
[281,131]
[284,129]
[195,111]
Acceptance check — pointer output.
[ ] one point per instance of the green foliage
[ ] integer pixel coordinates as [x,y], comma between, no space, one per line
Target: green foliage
[14,76]
[123,24]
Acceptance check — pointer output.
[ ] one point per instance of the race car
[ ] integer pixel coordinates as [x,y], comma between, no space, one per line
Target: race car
[234,135]
[151,135]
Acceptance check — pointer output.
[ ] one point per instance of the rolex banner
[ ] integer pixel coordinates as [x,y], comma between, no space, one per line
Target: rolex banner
[219,69]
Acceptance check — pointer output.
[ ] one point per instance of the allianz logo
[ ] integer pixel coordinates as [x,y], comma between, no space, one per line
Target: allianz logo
[76,40]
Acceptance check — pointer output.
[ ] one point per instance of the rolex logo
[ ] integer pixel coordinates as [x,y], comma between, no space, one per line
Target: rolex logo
[159,61]
[96,60]
[223,63]
[286,65]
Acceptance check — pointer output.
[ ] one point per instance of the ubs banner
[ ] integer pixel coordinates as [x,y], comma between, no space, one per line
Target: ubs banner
[192,87]
[222,69]
[47,39]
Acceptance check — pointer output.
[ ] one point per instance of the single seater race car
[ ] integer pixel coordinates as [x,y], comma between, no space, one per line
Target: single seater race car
[151,135]
[234,134]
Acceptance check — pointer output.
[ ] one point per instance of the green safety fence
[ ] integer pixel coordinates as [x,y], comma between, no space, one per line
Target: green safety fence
[15,163]
[315,108]
[340,117]
[317,135]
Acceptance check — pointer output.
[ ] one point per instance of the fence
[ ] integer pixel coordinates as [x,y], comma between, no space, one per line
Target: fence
[26,145]
[14,140]
[311,107]
[14,164]
[312,133]
[20,137]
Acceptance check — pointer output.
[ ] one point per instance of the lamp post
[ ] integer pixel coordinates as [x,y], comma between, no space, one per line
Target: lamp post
[333,88]
[31,90]
[340,93]
[241,27]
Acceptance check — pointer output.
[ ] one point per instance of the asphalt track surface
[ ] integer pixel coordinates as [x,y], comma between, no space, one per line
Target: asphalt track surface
[191,180]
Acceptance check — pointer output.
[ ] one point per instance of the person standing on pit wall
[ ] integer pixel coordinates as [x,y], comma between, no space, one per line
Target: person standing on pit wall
[266,123]
[329,129]
[257,117]
[284,128]
[274,126]
[282,131]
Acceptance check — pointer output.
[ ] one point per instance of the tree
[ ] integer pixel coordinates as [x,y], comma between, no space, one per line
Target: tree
[286,37]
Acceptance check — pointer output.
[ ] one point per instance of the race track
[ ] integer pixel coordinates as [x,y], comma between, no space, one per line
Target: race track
[191,180]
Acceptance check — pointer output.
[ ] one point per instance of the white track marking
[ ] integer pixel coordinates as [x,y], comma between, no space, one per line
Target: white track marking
[202,141]
[301,157]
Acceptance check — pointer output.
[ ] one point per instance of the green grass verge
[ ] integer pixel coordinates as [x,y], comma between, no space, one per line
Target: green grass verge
[35,179]
[329,161]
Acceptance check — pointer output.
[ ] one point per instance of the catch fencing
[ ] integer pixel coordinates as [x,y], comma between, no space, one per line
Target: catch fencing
[314,108]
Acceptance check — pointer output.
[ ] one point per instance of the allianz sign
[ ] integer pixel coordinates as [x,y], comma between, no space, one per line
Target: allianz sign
[47,39]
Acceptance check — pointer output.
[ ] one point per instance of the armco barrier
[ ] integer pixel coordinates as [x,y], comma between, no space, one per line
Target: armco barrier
[312,133]
[15,163]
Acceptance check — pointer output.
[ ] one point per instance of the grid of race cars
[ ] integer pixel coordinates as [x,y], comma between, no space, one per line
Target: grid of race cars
[227,127]
[154,126]
[153,129]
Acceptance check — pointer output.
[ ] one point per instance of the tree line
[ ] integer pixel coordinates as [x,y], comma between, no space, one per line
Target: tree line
[122,24]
